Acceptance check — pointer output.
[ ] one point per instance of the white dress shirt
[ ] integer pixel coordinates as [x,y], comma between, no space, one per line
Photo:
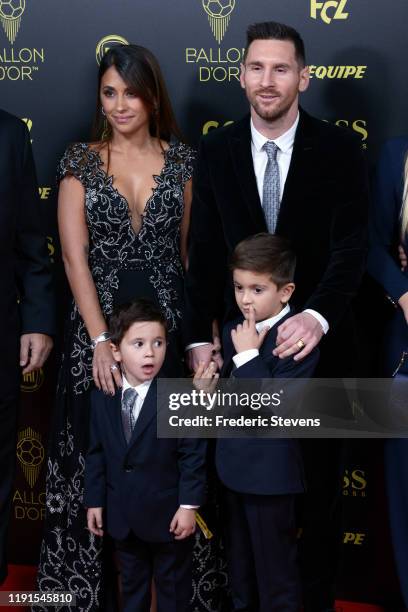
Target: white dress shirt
[260,158]
[142,391]
[244,356]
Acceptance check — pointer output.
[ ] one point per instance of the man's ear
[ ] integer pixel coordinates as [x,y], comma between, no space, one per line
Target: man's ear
[304,79]
[286,292]
[242,75]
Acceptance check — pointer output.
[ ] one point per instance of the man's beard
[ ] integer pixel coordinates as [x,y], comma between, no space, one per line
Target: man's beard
[268,114]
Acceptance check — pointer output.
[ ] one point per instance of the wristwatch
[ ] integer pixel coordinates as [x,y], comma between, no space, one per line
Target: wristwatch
[101,338]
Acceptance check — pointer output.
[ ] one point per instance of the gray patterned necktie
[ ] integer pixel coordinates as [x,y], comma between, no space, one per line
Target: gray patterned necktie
[128,402]
[271,187]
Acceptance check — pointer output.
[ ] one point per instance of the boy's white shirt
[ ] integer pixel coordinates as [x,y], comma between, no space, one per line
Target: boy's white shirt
[242,358]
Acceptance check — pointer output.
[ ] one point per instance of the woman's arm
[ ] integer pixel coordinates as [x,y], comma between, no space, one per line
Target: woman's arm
[385,218]
[74,238]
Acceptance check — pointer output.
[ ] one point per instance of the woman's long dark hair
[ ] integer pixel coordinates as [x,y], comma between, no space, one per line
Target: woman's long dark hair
[140,70]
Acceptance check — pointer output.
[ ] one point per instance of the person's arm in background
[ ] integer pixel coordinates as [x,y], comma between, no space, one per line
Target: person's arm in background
[385,223]
[207,265]
[33,275]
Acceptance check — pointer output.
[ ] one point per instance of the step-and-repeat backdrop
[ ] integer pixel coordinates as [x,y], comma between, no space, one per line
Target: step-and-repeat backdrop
[49,53]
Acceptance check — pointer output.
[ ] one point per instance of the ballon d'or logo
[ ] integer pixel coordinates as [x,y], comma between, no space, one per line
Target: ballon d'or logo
[30,453]
[219,14]
[32,381]
[10,17]
[106,43]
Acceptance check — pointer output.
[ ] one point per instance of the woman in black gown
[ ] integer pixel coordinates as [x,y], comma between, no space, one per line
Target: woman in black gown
[123,209]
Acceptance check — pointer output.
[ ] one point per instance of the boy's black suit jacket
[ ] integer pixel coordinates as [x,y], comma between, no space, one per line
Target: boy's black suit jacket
[140,485]
[262,466]
[323,213]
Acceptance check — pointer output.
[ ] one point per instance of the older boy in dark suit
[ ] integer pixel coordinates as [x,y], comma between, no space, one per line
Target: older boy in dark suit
[143,489]
[260,478]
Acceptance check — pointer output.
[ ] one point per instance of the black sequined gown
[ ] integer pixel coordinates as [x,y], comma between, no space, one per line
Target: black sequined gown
[124,263]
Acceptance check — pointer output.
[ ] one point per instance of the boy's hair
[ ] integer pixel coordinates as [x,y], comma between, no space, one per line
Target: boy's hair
[272,30]
[139,310]
[266,254]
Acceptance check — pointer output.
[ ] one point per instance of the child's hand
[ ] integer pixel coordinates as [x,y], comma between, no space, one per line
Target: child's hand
[95,523]
[183,523]
[245,336]
[205,379]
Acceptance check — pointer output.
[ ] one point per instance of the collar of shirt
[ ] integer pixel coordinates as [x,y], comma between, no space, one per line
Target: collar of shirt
[141,390]
[272,320]
[284,142]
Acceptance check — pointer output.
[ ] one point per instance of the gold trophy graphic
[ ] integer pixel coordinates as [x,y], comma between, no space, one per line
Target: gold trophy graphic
[219,14]
[106,43]
[30,453]
[10,17]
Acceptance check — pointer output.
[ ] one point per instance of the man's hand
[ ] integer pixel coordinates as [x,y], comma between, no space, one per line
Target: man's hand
[298,336]
[245,336]
[183,523]
[34,350]
[205,378]
[94,520]
[402,257]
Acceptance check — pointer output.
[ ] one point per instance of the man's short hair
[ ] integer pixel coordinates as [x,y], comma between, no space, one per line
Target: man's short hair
[272,30]
[140,310]
[266,254]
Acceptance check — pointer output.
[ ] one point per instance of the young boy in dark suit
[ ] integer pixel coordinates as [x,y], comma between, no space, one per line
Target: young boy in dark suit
[260,477]
[141,489]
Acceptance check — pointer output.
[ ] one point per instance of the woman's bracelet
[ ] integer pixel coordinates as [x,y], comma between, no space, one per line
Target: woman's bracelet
[103,337]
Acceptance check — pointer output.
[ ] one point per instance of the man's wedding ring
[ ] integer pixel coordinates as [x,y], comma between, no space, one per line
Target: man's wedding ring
[300,344]
[113,367]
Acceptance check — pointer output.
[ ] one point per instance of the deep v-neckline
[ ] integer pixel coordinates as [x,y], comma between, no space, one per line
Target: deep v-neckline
[109,180]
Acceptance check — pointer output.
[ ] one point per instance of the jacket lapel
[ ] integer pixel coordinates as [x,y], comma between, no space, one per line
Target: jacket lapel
[241,155]
[114,410]
[298,171]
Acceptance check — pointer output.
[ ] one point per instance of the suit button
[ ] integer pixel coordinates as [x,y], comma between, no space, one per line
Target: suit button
[128,468]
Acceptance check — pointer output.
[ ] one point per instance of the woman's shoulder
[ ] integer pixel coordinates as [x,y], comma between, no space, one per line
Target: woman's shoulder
[183,157]
[81,160]
[182,152]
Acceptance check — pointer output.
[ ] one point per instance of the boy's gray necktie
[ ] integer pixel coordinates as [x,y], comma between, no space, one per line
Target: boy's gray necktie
[128,402]
[271,187]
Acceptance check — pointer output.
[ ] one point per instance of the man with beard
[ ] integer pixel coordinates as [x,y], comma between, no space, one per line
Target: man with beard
[26,303]
[283,171]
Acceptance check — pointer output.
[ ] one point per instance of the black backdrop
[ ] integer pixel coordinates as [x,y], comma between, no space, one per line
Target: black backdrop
[48,64]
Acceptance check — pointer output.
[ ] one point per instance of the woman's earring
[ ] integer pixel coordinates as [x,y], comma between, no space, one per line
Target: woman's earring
[105,131]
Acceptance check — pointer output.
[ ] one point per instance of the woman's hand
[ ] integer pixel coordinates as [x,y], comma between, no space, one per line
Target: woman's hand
[403,302]
[105,370]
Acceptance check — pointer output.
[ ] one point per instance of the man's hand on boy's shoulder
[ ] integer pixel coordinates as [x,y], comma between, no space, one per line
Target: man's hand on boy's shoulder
[95,521]
[183,523]
[298,336]
[245,336]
